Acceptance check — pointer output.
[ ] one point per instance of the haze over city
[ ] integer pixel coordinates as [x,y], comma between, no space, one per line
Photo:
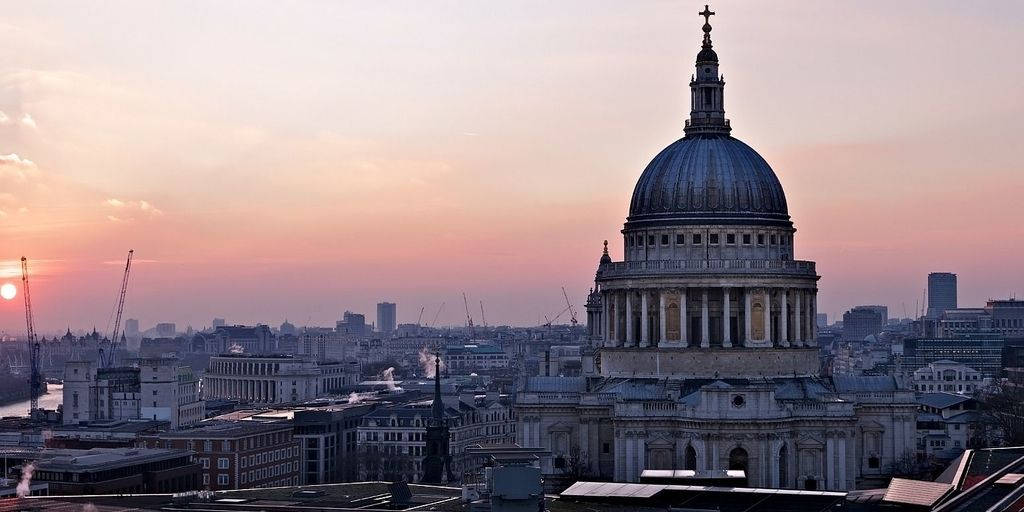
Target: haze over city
[269,160]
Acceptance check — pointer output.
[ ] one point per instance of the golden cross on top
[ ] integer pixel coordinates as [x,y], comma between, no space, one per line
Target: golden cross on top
[708,13]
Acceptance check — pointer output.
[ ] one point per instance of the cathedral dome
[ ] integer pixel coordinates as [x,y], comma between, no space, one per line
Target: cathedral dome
[708,178]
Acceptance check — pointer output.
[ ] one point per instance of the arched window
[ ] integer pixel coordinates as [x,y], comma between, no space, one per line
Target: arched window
[738,459]
[783,463]
[690,458]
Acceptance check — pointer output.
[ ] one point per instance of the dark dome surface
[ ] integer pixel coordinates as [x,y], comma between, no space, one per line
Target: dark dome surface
[708,178]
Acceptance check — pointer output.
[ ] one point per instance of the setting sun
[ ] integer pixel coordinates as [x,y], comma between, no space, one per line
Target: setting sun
[8,291]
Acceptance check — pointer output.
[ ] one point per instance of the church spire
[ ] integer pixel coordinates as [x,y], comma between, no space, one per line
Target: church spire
[707,112]
[438,406]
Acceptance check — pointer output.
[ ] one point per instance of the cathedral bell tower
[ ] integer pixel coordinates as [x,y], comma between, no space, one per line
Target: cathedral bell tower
[707,87]
[437,464]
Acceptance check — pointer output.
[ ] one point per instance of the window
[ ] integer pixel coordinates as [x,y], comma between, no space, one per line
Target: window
[730,238]
[222,479]
[222,463]
[664,239]
[650,239]
[696,239]
[206,479]
[713,238]
[760,239]
[207,446]
[206,462]
[225,446]
[680,239]
[606,448]
[771,241]
[746,238]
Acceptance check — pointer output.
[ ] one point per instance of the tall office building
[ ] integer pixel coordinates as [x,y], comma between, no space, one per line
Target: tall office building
[941,293]
[386,316]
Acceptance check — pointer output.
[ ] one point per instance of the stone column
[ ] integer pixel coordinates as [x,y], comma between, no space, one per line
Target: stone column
[620,457]
[798,318]
[726,318]
[747,341]
[641,456]
[684,327]
[662,325]
[620,311]
[630,454]
[630,339]
[830,462]
[604,319]
[813,312]
[783,318]
[705,334]
[768,316]
[841,463]
[645,321]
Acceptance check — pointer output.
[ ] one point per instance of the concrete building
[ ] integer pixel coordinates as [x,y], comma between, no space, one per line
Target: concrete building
[328,440]
[950,377]
[236,339]
[941,293]
[106,470]
[325,344]
[982,352]
[471,356]
[262,379]
[387,317]
[704,353]
[394,443]
[238,454]
[353,324]
[945,424]
[863,321]
[166,330]
[153,388]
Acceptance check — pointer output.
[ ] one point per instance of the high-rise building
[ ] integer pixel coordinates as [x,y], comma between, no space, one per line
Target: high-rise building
[941,293]
[386,317]
[131,327]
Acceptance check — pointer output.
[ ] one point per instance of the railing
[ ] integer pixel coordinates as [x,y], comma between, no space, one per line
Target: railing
[626,268]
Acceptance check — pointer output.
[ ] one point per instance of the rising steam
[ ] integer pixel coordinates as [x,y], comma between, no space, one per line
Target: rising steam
[25,484]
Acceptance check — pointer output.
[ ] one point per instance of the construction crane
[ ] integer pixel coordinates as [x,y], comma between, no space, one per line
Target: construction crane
[483,317]
[572,312]
[469,319]
[420,319]
[120,308]
[35,379]
[549,321]
[434,322]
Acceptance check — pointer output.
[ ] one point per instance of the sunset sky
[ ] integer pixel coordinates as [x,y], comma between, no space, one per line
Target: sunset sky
[296,159]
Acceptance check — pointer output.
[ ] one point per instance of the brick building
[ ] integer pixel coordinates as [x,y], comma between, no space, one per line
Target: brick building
[238,455]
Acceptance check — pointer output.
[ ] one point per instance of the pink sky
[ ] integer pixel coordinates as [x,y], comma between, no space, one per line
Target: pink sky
[276,159]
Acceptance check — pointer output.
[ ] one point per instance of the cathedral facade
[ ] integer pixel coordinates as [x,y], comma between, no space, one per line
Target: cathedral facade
[702,348]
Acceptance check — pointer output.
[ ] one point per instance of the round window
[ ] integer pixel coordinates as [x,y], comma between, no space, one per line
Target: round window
[738,401]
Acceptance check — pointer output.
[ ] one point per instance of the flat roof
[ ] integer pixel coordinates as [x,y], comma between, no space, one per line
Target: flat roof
[227,430]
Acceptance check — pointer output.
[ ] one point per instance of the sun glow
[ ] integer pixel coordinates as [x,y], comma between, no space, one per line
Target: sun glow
[8,291]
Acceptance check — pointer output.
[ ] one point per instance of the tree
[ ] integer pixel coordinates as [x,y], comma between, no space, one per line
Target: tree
[1002,415]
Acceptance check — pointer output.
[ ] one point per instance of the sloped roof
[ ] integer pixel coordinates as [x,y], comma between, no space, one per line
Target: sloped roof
[941,400]
[916,492]
[865,383]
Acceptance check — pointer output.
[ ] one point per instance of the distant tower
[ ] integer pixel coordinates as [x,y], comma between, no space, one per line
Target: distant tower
[438,462]
[941,293]
[386,317]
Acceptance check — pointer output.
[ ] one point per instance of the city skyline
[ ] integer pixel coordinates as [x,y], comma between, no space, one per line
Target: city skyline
[482,150]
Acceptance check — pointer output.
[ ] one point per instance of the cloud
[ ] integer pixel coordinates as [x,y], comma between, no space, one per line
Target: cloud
[28,121]
[140,206]
[3,118]
[17,167]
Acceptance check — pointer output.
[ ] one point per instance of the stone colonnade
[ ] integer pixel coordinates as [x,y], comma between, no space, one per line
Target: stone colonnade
[708,316]
[241,388]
